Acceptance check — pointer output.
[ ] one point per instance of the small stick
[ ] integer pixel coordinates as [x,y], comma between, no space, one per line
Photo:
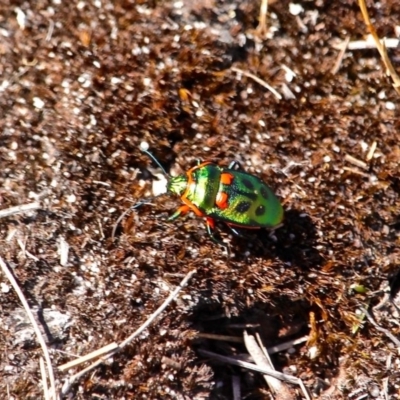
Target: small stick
[262,361]
[243,364]
[19,209]
[357,172]
[39,336]
[94,354]
[100,228]
[26,252]
[236,339]
[106,184]
[50,31]
[225,338]
[385,382]
[381,47]
[262,21]
[236,387]
[379,328]
[258,80]
[371,151]
[44,378]
[122,216]
[287,345]
[367,44]
[159,310]
[342,52]
[264,350]
[243,326]
[63,250]
[70,381]
[356,161]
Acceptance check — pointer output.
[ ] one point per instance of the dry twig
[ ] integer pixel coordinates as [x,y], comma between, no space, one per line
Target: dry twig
[258,80]
[225,338]
[71,380]
[43,374]
[262,29]
[356,171]
[381,47]
[19,209]
[94,354]
[380,329]
[371,151]
[264,361]
[287,345]
[279,375]
[356,161]
[236,388]
[342,52]
[40,339]
[368,43]
[236,339]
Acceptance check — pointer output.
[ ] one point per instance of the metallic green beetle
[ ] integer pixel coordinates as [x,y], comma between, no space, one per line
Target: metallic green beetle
[225,194]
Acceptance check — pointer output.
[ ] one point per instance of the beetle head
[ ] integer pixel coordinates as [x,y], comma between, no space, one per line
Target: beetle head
[177,184]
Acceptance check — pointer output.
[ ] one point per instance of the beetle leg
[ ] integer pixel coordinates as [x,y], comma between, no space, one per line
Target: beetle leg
[235,232]
[181,210]
[210,230]
[122,216]
[234,164]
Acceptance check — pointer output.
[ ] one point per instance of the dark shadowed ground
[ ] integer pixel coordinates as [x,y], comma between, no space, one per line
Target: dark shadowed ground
[83,83]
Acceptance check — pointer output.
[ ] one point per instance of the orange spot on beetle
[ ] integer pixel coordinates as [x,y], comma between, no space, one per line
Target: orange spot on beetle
[210,222]
[226,178]
[222,200]
[183,209]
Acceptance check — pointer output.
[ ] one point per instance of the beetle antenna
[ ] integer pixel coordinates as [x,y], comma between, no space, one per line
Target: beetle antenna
[128,210]
[140,203]
[156,161]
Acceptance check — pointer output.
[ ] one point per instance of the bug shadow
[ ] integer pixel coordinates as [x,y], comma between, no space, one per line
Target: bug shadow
[279,313]
[294,243]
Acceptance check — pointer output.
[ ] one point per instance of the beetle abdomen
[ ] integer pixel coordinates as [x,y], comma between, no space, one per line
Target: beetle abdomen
[232,196]
[249,202]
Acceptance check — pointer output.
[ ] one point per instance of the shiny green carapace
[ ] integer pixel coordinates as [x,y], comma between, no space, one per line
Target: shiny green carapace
[228,195]
[225,194]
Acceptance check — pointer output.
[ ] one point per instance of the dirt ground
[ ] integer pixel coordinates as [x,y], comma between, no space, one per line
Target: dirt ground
[84,83]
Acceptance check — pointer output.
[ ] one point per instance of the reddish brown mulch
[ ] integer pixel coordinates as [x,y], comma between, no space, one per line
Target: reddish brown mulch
[84,83]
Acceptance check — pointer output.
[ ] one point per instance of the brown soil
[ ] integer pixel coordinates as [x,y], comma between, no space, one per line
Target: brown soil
[83,83]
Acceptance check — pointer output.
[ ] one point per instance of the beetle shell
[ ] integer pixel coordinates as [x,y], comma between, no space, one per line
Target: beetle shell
[232,196]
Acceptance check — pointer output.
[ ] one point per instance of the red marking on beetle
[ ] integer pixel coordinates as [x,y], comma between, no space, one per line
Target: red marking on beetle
[243,226]
[210,222]
[222,200]
[226,178]
[183,209]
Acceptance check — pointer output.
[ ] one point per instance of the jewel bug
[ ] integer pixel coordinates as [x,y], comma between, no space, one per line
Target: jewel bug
[227,194]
